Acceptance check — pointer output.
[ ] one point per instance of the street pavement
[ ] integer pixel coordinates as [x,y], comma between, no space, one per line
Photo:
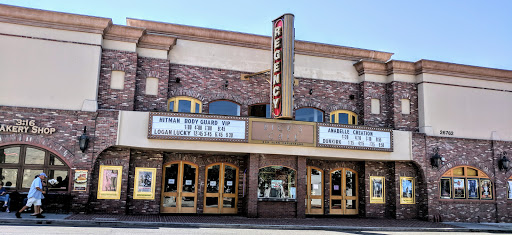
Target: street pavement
[239,222]
[52,230]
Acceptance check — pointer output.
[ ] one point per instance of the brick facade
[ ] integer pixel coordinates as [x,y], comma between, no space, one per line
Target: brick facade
[208,85]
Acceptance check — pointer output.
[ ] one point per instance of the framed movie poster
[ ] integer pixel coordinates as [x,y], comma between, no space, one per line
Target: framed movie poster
[144,187]
[109,182]
[485,189]
[445,188]
[509,192]
[407,190]
[459,189]
[80,180]
[377,189]
[473,189]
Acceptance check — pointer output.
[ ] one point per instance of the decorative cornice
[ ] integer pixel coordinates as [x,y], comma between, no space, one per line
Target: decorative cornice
[159,42]
[401,67]
[466,71]
[124,33]
[52,19]
[370,67]
[255,41]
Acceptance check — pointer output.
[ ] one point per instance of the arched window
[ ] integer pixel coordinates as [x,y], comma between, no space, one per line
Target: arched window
[224,107]
[184,104]
[259,110]
[277,182]
[309,115]
[343,117]
[465,182]
[20,164]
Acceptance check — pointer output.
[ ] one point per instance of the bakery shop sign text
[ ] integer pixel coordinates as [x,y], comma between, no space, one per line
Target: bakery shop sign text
[26,126]
[282,69]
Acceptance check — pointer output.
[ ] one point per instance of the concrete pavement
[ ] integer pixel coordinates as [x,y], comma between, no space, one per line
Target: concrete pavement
[221,221]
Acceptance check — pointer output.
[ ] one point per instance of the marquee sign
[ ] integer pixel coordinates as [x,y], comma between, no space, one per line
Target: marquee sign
[349,137]
[282,132]
[281,85]
[197,127]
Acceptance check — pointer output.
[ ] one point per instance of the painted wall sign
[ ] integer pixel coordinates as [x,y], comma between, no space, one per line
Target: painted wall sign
[197,127]
[268,131]
[281,86]
[364,138]
[26,126]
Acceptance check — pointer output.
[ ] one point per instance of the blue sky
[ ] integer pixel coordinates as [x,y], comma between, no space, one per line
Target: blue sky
[464,32]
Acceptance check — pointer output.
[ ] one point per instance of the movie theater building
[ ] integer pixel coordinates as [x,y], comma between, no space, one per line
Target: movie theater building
[160,118]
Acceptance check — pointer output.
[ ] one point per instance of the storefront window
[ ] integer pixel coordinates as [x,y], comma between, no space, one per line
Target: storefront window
[224,107]
[277,182]
[465,183]
[20,164]
[184,104]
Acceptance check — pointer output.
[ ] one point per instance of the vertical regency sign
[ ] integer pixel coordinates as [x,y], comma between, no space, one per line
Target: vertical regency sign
[283,40]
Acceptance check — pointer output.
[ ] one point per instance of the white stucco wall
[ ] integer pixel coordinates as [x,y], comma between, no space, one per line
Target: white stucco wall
[133,132]
[49,74]
[469,112]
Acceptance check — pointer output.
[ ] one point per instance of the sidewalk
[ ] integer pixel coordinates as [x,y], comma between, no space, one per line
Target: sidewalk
[215,221]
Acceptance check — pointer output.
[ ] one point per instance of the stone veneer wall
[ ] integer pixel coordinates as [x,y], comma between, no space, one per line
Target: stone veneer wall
[146,159]
[113,60]
[156,68]
[480,154]
[101,129]
[113,156]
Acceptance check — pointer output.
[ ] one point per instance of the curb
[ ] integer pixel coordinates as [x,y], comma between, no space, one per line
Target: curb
[135,224]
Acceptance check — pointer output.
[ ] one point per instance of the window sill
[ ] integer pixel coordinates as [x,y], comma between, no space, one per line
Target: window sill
[277,200]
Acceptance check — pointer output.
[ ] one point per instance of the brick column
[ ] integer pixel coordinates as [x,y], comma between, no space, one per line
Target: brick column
[252,183]
[301,186]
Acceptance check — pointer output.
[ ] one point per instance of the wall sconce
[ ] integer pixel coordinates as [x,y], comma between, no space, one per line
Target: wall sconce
[83,140]
[178,80]
[311,91]
[436,160]
[504,163]
[226,84]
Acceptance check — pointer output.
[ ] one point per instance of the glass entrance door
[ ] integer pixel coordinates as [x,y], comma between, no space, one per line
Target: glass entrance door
[179,194]
[221,189]
[315,192]
[343,197]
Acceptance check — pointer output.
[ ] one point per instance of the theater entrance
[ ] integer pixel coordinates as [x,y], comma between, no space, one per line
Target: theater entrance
[221,189]
[179,188]
[343,194]
[315,195]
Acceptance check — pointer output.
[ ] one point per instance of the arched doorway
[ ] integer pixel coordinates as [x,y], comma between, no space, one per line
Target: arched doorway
[179,187]
[343,194]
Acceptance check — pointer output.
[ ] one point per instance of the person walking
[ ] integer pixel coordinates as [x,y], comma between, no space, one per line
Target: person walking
[4,196]
[35,194]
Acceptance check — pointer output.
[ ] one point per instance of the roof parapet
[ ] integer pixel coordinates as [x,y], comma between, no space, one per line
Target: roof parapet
[159,42]
[256,41]
[124,33]
[52,19]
